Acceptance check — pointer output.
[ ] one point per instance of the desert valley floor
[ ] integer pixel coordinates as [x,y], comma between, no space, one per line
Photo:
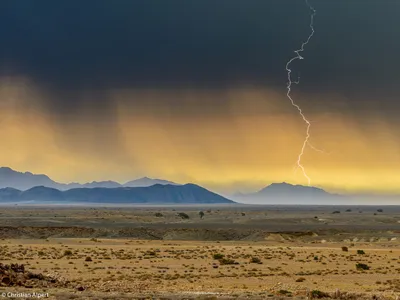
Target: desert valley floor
[232,252]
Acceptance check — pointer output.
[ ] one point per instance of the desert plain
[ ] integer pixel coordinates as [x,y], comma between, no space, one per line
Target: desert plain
[200,252]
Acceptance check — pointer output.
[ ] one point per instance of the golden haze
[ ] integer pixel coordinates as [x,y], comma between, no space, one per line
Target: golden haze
[252,140]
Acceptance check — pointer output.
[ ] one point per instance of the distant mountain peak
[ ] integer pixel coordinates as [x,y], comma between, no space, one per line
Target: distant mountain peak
[102,181]
[10,189]
[281,184]
[285,192]
[25,180]
[6,169]
[42,187]
[146,181]
[288,186]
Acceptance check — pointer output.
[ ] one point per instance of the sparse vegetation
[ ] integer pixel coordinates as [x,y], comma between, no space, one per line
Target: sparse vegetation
[150,253]
[301,279]
[228,261]
[255,260]
[151,259]
[218,256]
[284,292]
[361,266]
[183,215]
[317,294]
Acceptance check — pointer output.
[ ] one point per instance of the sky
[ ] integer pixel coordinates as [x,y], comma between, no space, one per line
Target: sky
[195,91]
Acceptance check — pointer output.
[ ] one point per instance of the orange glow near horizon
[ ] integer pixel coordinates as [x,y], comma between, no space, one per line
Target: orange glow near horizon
[250,142]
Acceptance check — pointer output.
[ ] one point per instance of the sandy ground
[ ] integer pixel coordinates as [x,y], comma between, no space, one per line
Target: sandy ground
[264,264]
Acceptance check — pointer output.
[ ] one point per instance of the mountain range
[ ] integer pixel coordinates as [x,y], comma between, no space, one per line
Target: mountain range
[155,194]
[27,180]
[26,186]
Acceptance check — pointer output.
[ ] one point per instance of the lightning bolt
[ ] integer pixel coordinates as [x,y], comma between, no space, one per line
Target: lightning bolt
[289,89]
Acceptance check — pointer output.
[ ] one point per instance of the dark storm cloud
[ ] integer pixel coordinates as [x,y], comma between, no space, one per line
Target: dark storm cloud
[129,43]
[99,45]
